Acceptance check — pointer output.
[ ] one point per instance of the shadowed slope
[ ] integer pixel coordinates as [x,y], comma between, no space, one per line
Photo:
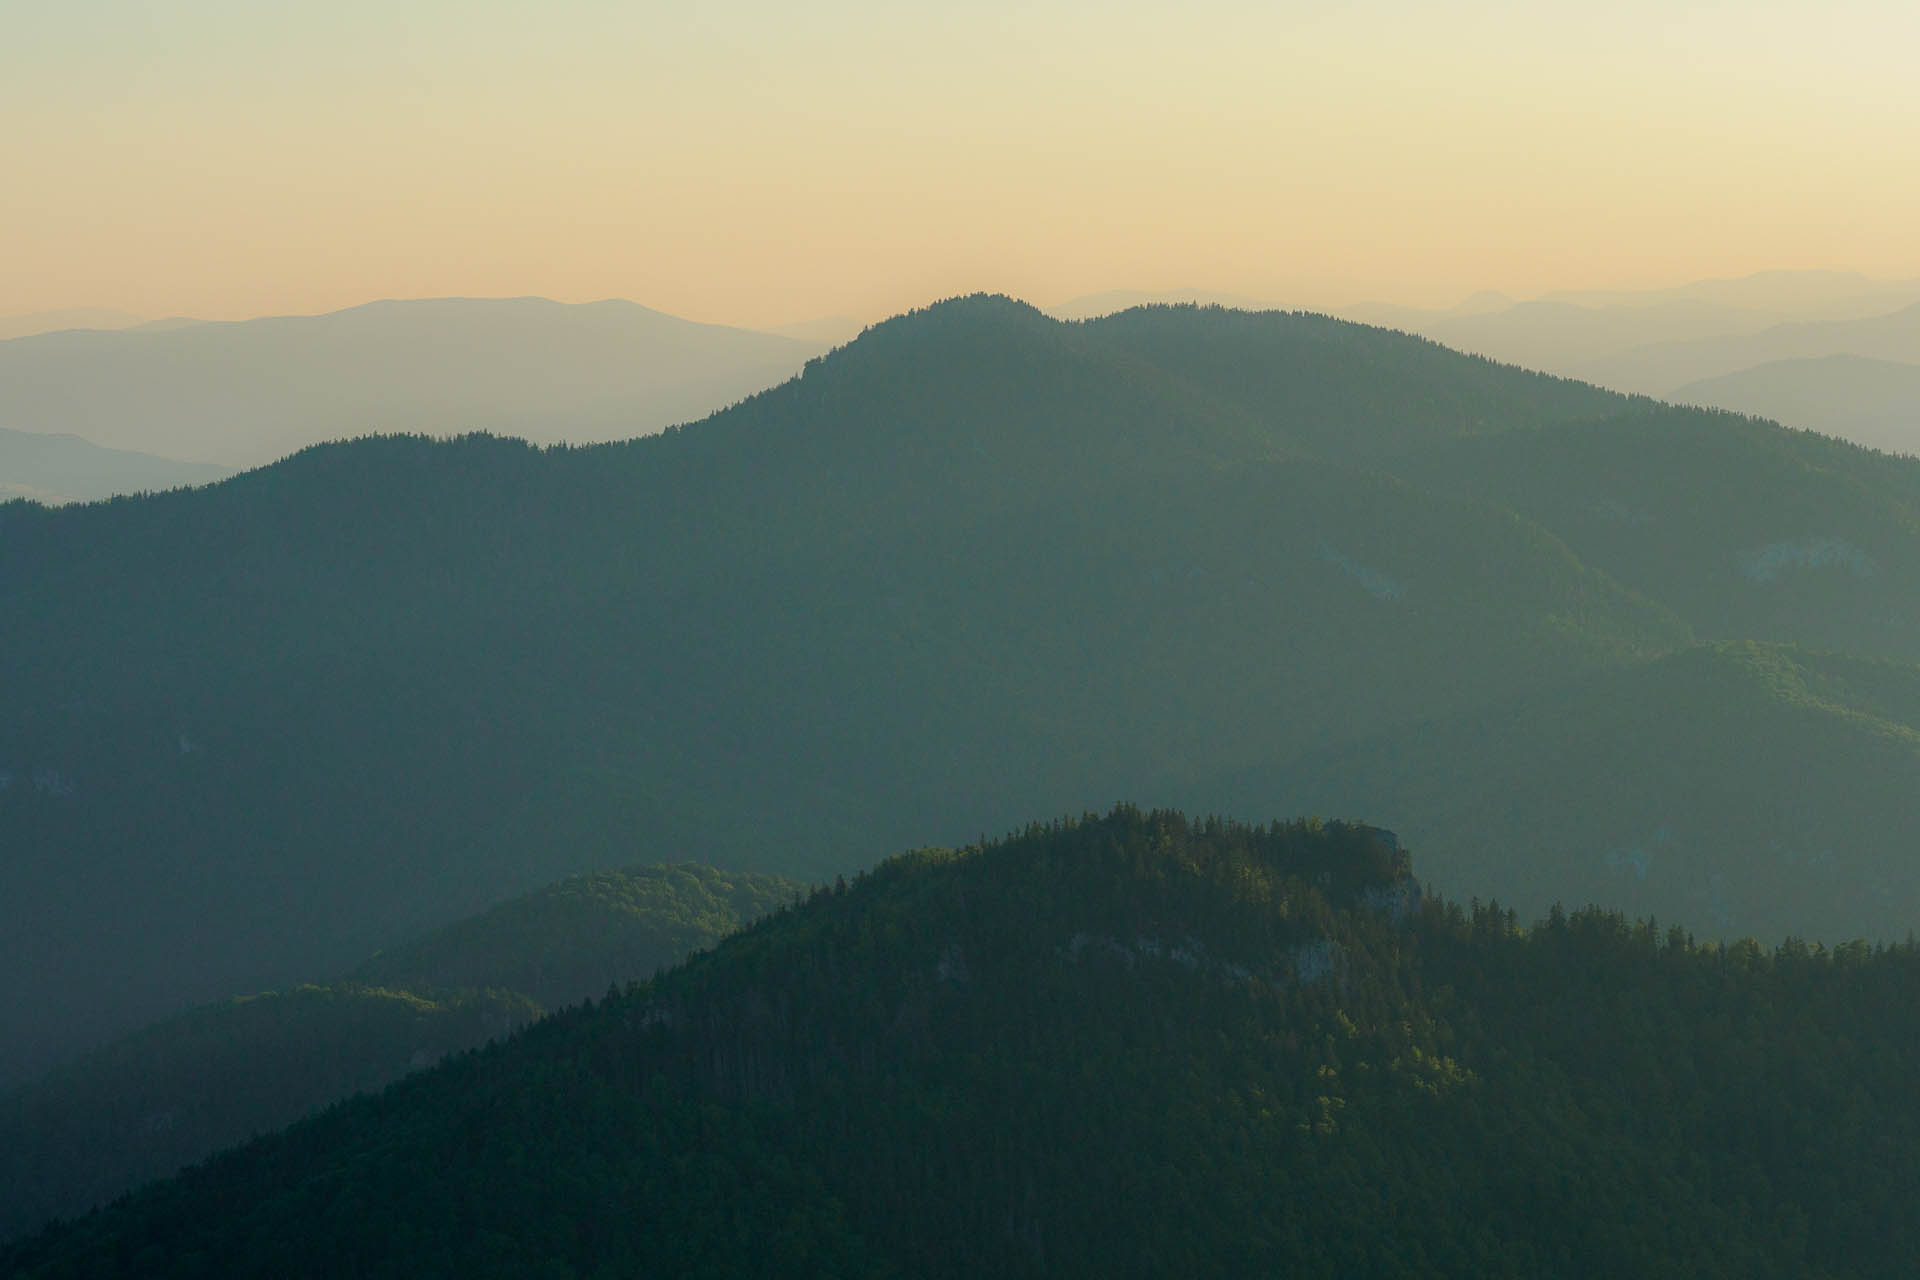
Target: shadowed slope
[971,565]
[1129,1045]
[175,1093]
[976,564]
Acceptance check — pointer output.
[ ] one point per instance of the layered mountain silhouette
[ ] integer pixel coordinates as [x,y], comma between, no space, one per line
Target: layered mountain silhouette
[175,1093]
[1662,368]
[1636,340]
[243,393]
[1121,1045]
[975,565]
[1820,350]
[1873,402]
[62,468]
[30,323]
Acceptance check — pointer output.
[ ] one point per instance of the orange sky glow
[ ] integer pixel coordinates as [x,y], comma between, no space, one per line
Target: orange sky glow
[758,163]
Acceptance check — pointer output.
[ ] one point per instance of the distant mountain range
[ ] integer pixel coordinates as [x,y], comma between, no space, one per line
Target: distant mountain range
[61,468]
[22,326]
[247,392]
[1752,344]
[977,564]
[1874,402]
[1669,366]
[243,393]
[1567,330]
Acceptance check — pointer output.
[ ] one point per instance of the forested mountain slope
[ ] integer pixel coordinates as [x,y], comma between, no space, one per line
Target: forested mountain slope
[152,1103]
[1130,1045]
[1738,789]
[560,945]
[1747,530]
[976,564]
[175,1093]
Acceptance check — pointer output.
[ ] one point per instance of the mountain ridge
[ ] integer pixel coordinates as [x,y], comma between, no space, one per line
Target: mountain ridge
[975,564]
[243,393]
[174,1093]
[1109,1045]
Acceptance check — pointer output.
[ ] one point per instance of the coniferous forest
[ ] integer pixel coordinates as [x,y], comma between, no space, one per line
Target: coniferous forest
[146,1105]
[1024,639]
[1135,1044]
[974,566]
[309,780]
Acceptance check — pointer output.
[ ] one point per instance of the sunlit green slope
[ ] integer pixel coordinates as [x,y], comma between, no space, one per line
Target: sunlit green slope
[176,1092]
[1129,1045]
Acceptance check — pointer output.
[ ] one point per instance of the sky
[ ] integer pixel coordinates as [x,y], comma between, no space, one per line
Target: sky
[760,162]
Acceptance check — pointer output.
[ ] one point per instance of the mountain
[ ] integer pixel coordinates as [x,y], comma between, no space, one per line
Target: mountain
[1654,341]
[1130,1045]
[243,393]
[68,469]
[1659,368]
[559,945]
[432,675]
[1748,531]
[153,1103]
[1598,791]
[975,564]
[1564,338]
[1871,402]
[150,1104]
[22,326]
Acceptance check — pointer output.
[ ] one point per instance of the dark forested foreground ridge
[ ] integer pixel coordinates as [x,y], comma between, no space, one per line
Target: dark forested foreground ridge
[976,565]
[147,1105]
[1130,1045]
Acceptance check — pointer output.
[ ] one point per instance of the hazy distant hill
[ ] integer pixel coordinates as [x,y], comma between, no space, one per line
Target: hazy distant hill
[67,318]
[1871,402]
[976,564]
[179,1091]
[69,469]
[1661,368]
[247,392]
[1563,338]
[1565,330]
[1119,1046]
[1656,341]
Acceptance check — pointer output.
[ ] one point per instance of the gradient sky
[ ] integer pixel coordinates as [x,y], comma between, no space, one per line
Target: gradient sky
[759,162]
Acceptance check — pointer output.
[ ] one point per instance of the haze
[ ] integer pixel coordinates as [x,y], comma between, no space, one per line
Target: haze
[757,164]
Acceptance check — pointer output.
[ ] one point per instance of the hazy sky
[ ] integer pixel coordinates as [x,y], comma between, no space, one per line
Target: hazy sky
[761,161]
